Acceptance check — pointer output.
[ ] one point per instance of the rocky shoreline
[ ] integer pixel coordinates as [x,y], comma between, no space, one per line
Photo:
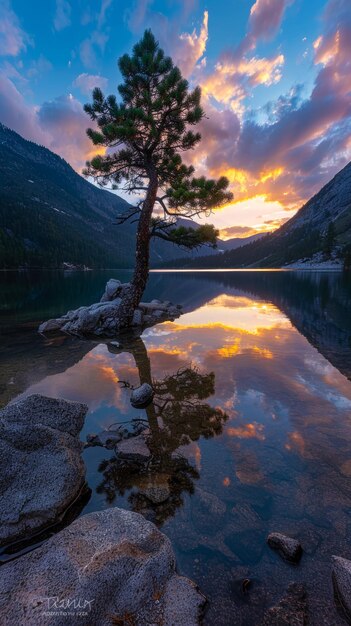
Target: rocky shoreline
[101,319]
[109,566]
[104,566]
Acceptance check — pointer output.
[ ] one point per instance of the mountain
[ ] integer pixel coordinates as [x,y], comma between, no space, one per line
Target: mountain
[234,243]
[319,231]
[50,215]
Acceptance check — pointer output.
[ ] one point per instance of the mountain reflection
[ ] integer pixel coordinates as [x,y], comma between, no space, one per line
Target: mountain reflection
[177,417]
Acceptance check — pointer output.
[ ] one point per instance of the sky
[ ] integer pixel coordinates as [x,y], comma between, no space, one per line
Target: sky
[275,78]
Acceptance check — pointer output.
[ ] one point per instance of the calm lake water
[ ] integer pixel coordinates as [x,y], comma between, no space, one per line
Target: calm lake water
[250,426]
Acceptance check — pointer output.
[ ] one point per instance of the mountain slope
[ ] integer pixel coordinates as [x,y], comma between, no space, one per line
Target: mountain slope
[303,236]
[49,214]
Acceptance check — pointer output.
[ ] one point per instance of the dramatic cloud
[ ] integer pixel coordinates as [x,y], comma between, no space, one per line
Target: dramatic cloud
[236,73]
[16,114]
[12,38]
[275,155]
[66,122]
[87,82]
[62,17]
[303,138]
[237,231]
[190,48]
[232,81]
[241,232]
[60,124]
[303,142]
[265,19]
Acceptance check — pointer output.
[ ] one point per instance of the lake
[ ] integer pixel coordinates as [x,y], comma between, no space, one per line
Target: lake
[250,425]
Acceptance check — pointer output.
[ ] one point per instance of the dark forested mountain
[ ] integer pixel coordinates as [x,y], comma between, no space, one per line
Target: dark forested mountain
[320,230]
[50,215]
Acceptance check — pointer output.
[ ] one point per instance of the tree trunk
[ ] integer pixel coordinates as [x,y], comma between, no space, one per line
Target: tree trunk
[142,361]
[142,252]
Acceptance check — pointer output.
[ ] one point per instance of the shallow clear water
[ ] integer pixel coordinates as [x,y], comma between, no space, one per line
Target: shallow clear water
[250,426]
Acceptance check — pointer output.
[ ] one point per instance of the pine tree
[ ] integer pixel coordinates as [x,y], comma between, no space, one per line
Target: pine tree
[145,132]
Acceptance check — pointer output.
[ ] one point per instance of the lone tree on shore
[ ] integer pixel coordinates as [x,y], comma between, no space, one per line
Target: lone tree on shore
[145,133]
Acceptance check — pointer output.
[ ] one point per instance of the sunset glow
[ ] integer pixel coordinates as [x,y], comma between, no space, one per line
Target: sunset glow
[274,78]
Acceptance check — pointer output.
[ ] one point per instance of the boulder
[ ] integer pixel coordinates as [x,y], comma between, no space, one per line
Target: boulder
[142,396]
[291,610]
[341,572]
[111,290]
[288,548]
[111,566]
[41,468]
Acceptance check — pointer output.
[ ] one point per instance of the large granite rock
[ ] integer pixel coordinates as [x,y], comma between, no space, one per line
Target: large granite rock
[109,567]
[341,572]
[102,319]
[41,469]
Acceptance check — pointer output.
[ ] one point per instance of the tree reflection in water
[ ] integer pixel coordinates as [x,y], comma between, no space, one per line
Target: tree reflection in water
[176,417]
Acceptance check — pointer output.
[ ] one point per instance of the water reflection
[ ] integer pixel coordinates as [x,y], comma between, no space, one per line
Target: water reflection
[250,427]
[176,418]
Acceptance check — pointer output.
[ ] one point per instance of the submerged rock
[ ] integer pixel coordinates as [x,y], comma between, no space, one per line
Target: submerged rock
[341,572]
[142,396]
[108,565]
[156,488]
[292,610]
[107,438]
[41,468]
[102,318]
[288,548]
[134,449]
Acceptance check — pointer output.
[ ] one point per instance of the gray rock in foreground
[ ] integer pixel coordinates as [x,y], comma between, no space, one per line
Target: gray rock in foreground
[341,572]
[111,564]
[102,318]
[288,548]
[41,469]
